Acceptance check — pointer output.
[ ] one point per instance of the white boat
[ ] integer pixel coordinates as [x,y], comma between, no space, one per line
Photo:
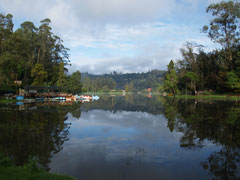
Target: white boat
[95,98]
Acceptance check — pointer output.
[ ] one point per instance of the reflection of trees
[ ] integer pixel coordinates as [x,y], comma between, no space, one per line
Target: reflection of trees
[218,122]
[34,133]
[170,111]
[224,164]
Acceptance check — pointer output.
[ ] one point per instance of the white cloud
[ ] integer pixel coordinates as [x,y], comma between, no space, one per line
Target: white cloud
[128,35]
[153,44]
[214,1]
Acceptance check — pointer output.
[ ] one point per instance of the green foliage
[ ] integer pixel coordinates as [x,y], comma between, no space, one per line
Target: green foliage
[170,84]
[98,83]
[22,50]
[191,80]
[224,27]
[5,161]
[39,75]
[29,171]
[21,173]
[62,78]
[32,165]
[114,80]
[129,87]
[217,70]
[233,81]
[74,83]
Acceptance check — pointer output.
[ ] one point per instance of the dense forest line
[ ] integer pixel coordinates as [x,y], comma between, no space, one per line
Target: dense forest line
[33,56]
[218,70]
[119,81]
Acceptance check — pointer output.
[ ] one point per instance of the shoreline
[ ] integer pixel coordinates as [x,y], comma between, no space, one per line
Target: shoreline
[208,97]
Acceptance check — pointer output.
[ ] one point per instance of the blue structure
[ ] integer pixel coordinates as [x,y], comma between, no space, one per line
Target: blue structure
[19,98]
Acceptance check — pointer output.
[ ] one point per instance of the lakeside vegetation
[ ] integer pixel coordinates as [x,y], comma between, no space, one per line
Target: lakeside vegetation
[217,70]
[119,81]
[29,171]
[34,56]
[21,173]
[209,97]
[36,134]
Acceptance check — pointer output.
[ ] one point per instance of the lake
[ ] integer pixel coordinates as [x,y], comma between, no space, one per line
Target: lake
[126,138]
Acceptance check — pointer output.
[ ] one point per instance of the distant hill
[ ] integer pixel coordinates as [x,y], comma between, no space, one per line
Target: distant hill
[139,81]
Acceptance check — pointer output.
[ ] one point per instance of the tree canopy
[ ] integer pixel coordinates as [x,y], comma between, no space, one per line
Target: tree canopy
[33,55]
[219,69]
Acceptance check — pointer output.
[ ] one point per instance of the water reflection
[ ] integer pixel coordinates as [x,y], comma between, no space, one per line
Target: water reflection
[34,131]
[218,122]
[131,137]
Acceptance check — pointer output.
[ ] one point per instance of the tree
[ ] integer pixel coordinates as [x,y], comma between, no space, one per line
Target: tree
[224,27]
[39,75]
[129,87]
[170,83]
[62,78]
[191,80]
[22,51]
[233,81]
[74,84]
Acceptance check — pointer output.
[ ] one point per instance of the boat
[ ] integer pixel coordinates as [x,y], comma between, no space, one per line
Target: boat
[19,98]
[71,98]
[60,98]
[85,97]
[95,97]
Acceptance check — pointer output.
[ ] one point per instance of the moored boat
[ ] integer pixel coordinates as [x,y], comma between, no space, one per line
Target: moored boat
[19,98]
[95,98]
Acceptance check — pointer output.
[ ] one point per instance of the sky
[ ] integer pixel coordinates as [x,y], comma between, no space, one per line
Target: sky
[118,35]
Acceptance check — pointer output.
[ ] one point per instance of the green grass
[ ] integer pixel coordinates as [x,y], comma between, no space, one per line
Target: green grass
[30,171]
[210,97]
[21,173]
[4,101]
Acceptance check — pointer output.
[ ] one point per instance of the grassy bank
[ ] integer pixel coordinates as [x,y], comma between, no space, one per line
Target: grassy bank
[21,173]
[30,171]
[5,101]
[210,97]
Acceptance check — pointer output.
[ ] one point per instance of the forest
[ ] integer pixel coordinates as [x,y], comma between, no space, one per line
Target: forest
[118,81]
[34,56]
[217,70]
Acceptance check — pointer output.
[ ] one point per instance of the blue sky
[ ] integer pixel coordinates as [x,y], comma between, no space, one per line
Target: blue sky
[120,35]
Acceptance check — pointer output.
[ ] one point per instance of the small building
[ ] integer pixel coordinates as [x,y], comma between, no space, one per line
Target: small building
[149,89]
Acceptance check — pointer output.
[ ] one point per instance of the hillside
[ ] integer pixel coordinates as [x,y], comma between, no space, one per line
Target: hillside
[114,80]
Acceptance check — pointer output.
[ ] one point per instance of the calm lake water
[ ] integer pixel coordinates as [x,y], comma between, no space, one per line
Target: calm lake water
[126,138]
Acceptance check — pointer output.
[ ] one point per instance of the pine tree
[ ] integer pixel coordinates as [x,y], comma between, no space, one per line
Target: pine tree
[170,84]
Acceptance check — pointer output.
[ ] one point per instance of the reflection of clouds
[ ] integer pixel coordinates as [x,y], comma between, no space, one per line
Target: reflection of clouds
[124,142]
[124,119]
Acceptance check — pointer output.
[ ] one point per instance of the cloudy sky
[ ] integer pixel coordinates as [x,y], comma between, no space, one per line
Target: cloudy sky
[120,35]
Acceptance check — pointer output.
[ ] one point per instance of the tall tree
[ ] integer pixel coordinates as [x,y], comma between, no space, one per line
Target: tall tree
[74,83]
[191,80]
[39,75]
[170,83]
[233,81]
[62,78]
[224,27]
